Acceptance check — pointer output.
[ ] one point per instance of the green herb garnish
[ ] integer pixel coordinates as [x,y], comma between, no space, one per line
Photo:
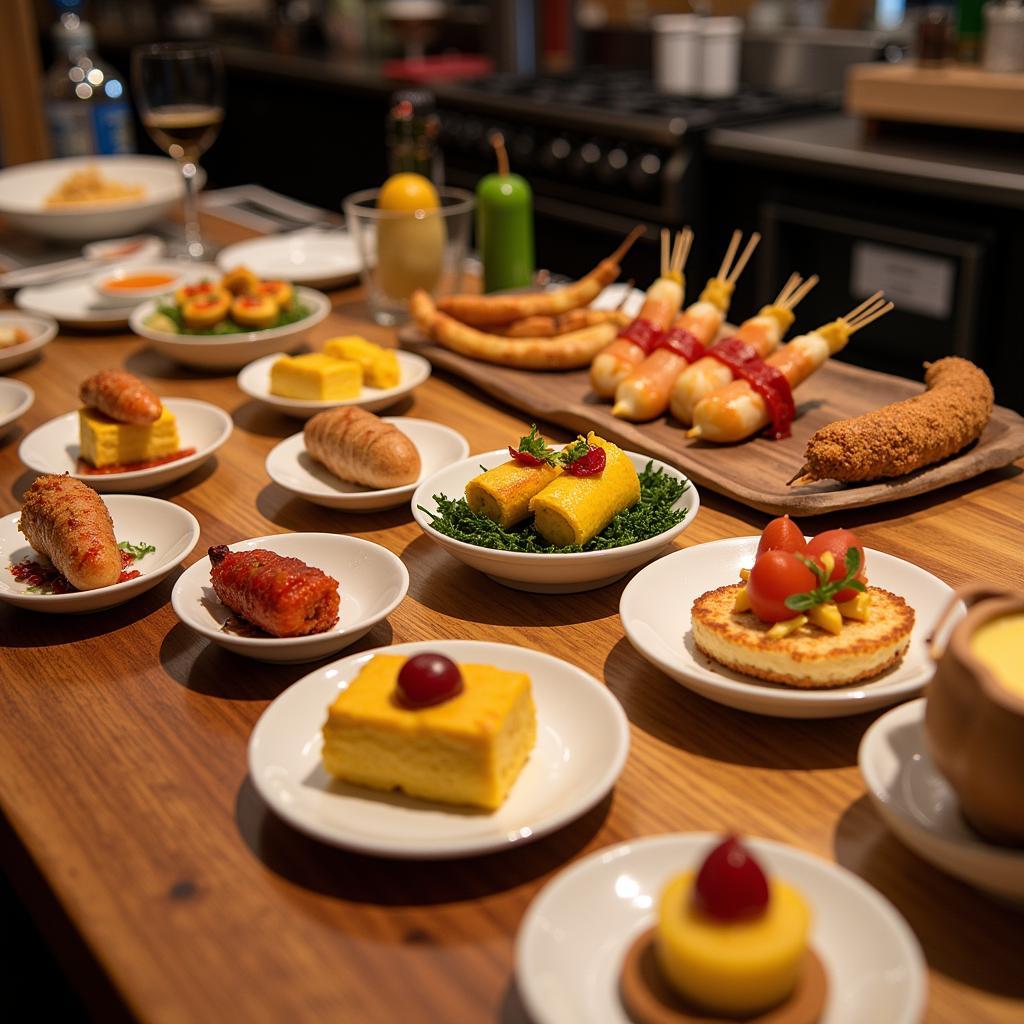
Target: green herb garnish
[137,551]
[293,314]
[651,515]
[574,451]
[535,445]
[825,591]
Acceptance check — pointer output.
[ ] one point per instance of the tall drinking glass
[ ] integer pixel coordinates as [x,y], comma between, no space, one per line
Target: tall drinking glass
[179,90]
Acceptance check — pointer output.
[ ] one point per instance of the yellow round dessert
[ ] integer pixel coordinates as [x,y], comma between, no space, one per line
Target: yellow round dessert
[206,310]
[737,968]
[256,311]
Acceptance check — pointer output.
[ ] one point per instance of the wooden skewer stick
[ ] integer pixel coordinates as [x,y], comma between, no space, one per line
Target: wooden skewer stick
[730,253]
[790,286]
[867,302]
[682,251]
[744,257]
[877,304]
[801,293]
[664,251]
[797,478]
[872,317]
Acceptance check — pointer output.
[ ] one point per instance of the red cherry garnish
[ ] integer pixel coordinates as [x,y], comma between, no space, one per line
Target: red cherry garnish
[428,679]
[524,457]
[590,464]
[730,885]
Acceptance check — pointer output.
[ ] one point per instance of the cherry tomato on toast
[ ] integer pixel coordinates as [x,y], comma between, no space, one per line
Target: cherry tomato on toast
[781,534]
[838,542]
[776,575]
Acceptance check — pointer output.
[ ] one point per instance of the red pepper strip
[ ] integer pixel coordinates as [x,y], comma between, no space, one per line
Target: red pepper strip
[590,464]
[644,334]
[525,458]
[684,343]
[770,383]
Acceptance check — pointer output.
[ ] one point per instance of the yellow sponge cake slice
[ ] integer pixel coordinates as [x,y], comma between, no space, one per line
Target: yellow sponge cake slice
[315,377]
[380,365]
[105,442]
[466,750]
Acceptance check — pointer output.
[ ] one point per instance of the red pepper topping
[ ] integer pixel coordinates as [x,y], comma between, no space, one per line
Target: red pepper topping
[684,343]
[643,334]
[589,464]
[525,457]
[765,379]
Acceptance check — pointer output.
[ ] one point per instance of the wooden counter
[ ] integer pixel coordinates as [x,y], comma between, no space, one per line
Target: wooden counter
[143,849]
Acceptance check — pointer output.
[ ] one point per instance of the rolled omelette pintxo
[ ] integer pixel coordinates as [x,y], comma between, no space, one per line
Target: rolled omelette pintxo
[503,494]
[574,509]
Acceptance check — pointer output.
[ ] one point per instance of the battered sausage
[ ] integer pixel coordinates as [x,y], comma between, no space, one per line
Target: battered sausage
[67,521]
[121,396]
[355,445]
[899,438]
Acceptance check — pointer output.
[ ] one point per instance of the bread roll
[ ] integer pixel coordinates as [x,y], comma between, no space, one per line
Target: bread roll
[357,446]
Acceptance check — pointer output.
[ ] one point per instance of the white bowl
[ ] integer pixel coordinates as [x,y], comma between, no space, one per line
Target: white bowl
[254,380]
[371,581]
[24,188]
[319,259]
[15,400]
[41,331]
[290,466]
[582,743]
[172,530]
[53,448]
[230,351]
[574,937]
[920,806]
[655,612]
[177,272]
[544,574]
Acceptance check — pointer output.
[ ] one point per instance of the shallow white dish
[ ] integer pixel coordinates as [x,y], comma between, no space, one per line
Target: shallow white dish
[15,400]
[230,351]
[582,743]
[573,939]
[254,380]
[655,612]
[103,281]
[25,187]
[544,574]
[172,530]
[319,259]
[290,466]
[620,295]
[75,303]
[371,581]
[53,448]
[920,806]
[41,331]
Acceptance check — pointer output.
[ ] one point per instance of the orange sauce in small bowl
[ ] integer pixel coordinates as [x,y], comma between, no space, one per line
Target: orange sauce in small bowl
[137,282]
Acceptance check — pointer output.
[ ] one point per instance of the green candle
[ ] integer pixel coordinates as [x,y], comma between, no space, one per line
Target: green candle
[504,226]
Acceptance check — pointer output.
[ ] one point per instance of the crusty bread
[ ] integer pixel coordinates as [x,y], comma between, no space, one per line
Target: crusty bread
[357,446]
[809,657]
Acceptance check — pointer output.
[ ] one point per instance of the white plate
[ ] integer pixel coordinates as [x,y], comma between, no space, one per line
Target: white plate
[544,574]
[290,466]
[53,448]
[172,530]
[15,399]
[582,743]
[620,296]
[24,188]
[230,351]
[319,259]
[41,331]
[920,806]
[254,380]
[655,612]
[572,941]
[371,581]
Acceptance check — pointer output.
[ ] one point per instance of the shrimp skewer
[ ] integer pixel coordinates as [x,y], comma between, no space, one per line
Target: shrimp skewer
[661,305]
[762,333]
[763,395]
[644,394]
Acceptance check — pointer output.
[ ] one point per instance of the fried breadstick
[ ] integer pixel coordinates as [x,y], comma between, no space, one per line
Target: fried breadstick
[563,323]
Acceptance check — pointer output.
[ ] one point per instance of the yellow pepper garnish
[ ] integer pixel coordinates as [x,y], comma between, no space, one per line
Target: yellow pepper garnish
[742,602]
[856,608]
[787,626]
[827,617]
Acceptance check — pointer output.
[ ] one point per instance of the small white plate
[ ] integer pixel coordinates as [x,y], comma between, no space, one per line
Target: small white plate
[53,448]
[230,351]
[582,743]
[538,573]
[254,380]
[172,530]
[41,331]
[655,612]
[15,399]
[573,939]
[372,583]
[103,281]
[920,806]
[319,259]
[620,296]
[290,466]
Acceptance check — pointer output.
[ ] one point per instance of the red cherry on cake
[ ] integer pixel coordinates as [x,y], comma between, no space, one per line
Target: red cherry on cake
[427,679]
[730,884]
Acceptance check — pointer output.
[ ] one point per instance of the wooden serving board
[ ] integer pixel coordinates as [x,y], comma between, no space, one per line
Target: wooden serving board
[755,471]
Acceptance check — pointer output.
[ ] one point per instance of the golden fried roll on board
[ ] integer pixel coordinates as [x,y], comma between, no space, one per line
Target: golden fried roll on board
[67,521]
[121,396]
[355,445]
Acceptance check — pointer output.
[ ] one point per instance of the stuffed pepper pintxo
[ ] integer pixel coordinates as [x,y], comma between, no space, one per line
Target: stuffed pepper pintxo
[644,394]
[759,336]
[762,394]
[613,364]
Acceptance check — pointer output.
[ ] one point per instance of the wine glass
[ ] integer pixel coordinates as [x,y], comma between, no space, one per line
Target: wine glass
[179,90]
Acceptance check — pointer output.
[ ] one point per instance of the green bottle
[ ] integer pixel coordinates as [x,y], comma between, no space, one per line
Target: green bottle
[504,226]
[968,31]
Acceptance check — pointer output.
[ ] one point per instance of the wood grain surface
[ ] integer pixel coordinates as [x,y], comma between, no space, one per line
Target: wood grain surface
[143,849]
[755,471]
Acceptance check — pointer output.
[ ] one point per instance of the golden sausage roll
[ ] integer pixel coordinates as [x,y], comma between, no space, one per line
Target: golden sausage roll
[357,446]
